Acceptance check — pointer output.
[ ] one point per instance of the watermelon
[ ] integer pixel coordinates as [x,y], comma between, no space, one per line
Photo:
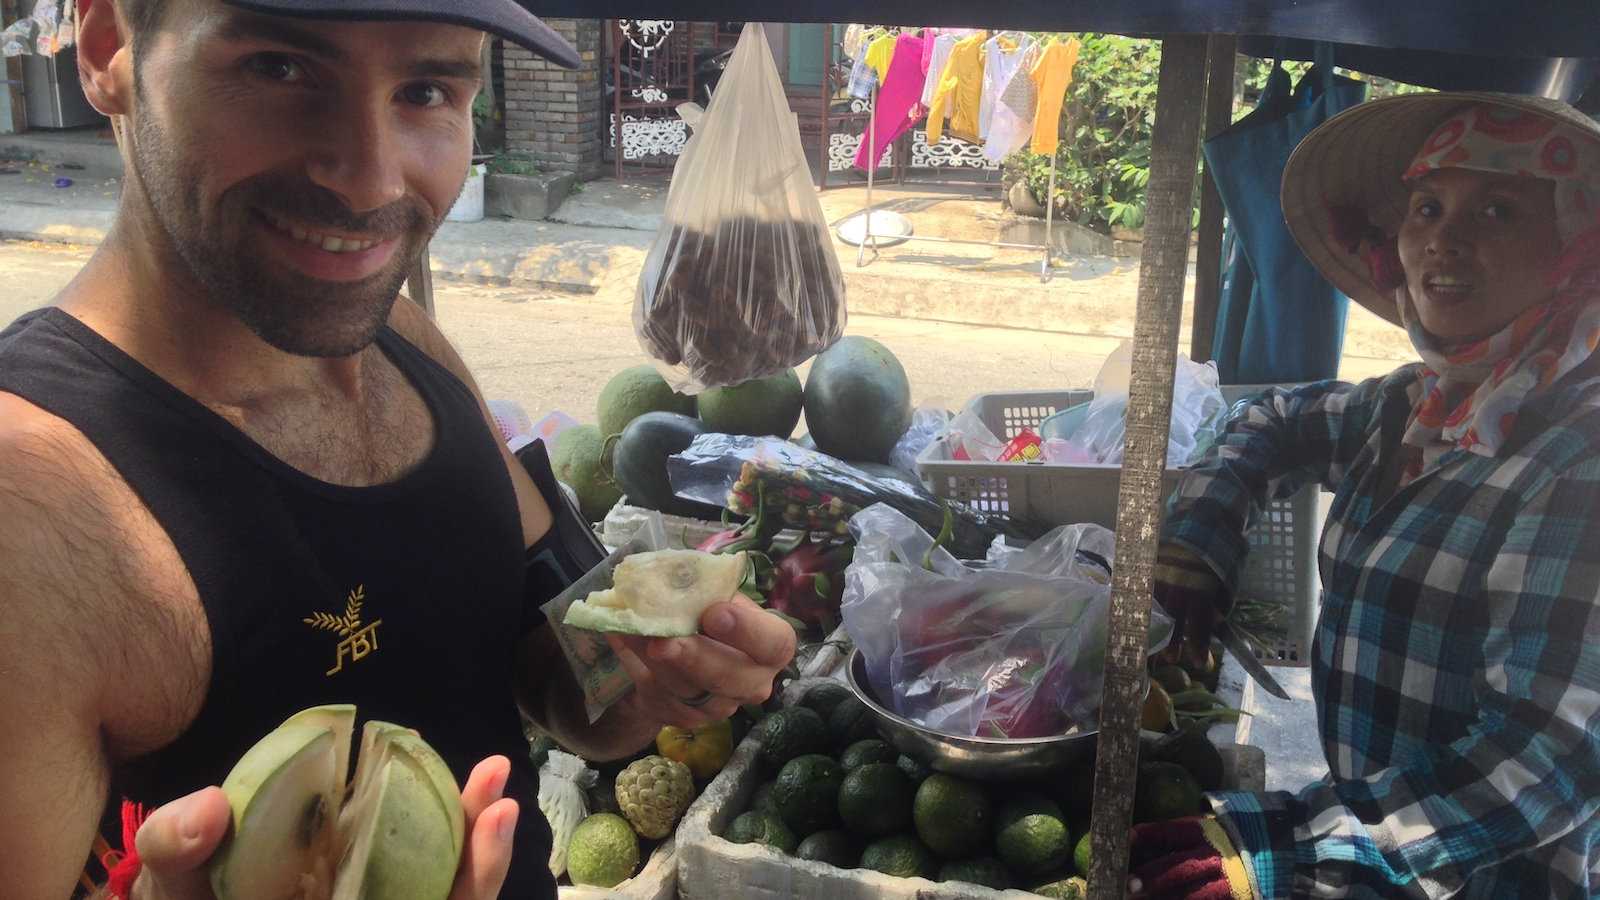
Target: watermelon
[857,400]
[639,462]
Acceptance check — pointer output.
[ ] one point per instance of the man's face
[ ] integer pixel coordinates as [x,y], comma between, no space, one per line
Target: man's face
[298,168]
[1478,250]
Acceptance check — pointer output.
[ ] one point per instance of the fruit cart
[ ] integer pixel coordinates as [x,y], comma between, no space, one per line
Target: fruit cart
[1541,48]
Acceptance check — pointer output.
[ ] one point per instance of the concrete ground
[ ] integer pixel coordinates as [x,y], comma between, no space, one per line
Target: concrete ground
[596,243]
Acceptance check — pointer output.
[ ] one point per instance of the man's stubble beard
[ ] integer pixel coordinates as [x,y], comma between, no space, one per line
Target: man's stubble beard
[291,312]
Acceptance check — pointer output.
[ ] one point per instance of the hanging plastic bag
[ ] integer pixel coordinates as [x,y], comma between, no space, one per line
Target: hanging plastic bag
[742,280]
[562,781]
[1016,651]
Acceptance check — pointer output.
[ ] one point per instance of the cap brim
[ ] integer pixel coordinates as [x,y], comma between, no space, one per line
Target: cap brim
[1358,158]
[503,18]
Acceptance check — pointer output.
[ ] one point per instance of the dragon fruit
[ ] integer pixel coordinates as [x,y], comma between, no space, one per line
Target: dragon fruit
[748,536]
[808,582]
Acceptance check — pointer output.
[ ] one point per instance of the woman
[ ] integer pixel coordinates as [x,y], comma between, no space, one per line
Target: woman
[1456,666]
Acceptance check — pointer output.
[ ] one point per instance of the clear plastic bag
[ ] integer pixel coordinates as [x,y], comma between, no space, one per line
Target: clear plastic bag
[969,438]
[562,780]
[599,673]
[927,423]
[812,490]
[742,280]
[1014,651]
[1095,432]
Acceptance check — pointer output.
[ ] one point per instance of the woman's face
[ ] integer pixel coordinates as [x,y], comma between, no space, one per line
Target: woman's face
[1478,249]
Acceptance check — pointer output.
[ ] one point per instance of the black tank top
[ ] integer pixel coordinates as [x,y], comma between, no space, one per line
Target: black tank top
[404,598]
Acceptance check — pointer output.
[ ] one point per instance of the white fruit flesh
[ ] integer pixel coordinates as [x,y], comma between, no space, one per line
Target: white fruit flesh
[661,592]
[297,835]
[283,794]
[400,847]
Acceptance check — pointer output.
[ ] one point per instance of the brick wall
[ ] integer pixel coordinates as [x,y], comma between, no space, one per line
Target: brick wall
[553,114]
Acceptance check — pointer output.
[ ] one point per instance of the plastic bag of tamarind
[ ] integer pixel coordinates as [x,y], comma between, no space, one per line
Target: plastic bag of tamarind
[742,280]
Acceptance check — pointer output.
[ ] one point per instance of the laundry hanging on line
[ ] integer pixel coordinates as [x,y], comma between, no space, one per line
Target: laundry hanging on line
[1003,54]
[970,79]
[896,109]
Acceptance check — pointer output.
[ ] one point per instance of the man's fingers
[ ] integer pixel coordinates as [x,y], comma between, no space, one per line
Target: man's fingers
[485,785]
[700,664]
[659,701]
[768,640]
[176,841]
[487,855]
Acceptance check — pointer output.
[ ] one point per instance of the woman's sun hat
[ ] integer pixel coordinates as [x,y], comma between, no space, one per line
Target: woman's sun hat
[1358,162]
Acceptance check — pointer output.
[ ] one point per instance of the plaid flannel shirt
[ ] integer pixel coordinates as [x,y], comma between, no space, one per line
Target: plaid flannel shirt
[1456,663]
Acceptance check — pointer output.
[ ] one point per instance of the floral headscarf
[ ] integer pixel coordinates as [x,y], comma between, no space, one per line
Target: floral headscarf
[1473,393]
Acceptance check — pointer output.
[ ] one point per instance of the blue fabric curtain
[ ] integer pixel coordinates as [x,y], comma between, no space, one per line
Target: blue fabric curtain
[1278,319]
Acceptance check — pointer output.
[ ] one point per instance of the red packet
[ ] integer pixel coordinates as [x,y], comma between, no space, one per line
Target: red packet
[1025,447]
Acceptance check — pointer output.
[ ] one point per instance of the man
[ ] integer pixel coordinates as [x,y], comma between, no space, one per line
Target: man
[229,432]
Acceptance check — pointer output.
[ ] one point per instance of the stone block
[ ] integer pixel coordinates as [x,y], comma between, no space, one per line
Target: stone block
[526,196]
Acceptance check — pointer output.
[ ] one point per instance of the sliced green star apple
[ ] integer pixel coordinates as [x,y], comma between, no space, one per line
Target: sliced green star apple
[299,832]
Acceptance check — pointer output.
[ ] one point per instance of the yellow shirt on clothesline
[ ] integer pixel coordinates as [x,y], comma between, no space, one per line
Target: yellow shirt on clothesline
[1052,74]
[879,54]
[960,91]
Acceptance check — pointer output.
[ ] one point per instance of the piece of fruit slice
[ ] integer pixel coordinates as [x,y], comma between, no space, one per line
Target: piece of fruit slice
[297,833]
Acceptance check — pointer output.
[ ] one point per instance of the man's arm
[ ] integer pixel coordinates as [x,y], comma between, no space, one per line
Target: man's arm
[54,772]
[546,689]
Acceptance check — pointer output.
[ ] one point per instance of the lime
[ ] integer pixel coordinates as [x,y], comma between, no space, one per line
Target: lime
[603,851]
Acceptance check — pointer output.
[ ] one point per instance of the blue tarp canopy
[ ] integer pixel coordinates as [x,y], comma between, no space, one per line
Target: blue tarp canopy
[1528,28]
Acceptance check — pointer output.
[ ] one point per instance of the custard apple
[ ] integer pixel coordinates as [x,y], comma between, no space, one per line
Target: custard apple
[654,792]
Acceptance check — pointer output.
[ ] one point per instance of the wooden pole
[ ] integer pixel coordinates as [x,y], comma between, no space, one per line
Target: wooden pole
[1221,57]
[419,284]
[1162,265]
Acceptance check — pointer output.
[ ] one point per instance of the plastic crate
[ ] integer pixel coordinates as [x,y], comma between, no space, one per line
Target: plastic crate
[1281,567]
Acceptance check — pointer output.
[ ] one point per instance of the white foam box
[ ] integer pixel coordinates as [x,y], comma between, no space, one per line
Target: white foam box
[711,868]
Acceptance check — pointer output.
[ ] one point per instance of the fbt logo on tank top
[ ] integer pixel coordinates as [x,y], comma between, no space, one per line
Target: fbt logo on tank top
[357,640]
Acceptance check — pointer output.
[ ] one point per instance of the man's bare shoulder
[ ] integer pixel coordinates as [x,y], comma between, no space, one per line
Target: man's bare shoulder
[411,322]
[91,582]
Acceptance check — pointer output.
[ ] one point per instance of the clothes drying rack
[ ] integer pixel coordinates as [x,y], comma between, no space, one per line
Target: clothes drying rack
[868,239]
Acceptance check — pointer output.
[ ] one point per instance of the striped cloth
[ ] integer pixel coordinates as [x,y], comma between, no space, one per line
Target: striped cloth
[1456,665]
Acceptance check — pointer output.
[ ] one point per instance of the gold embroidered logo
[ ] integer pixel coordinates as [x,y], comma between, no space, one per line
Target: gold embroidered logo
[359,640]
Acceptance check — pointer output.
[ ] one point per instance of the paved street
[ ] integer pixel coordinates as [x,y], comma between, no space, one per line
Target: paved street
[550,350]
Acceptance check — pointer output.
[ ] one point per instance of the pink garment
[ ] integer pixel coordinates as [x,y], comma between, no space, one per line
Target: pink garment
[894,112]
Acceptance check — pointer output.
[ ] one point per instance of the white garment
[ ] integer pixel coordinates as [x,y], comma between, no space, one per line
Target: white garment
[998,66]
[942,45]
[855,40]
[1012,122]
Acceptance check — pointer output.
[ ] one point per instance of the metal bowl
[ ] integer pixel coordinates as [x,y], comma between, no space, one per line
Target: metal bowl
[987,759]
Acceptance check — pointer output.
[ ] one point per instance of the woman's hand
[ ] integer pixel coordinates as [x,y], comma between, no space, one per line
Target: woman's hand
[1193,595]
[178,839]
[690,681]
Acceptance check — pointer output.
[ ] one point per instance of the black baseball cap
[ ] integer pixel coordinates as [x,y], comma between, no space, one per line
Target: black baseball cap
[504,18]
